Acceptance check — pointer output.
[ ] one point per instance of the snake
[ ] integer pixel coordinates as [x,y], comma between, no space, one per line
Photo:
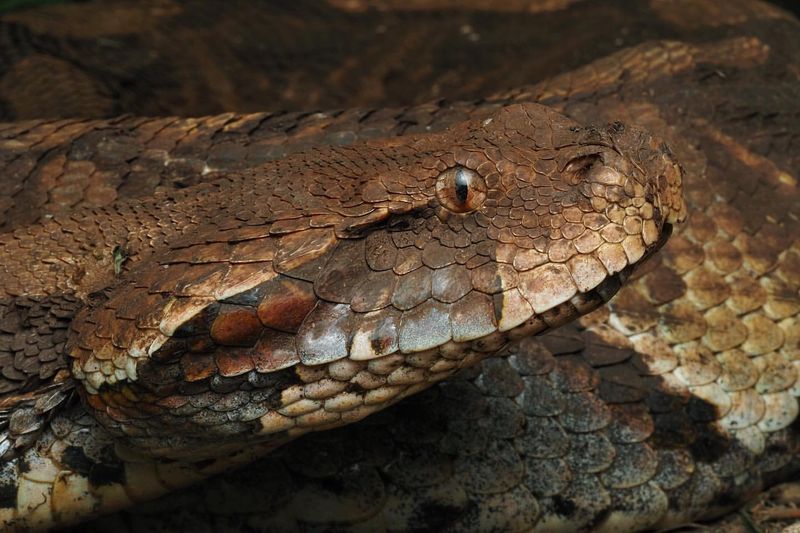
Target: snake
[160,337]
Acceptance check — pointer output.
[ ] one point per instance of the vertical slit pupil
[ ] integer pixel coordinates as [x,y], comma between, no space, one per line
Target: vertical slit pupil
[462,186]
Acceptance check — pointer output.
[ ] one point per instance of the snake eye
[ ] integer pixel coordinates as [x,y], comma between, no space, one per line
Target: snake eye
[461,189]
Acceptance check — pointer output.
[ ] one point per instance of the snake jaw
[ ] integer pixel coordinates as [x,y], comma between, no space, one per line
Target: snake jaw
[470,238]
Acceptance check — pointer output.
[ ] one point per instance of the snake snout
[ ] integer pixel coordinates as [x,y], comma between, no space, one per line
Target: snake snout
[656,167]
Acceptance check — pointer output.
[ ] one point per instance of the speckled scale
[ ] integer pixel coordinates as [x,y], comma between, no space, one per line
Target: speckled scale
[583,500]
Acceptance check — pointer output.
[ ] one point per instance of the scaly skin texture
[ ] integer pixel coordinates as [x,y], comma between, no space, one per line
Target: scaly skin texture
[305,294]
[673,405]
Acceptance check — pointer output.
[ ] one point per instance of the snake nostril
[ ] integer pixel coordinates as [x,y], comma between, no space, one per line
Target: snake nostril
[578,169]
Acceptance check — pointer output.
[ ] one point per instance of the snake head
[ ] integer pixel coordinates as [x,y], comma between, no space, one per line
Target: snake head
[341,280]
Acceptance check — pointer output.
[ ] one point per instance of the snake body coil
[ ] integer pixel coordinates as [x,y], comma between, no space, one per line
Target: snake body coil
[205,325]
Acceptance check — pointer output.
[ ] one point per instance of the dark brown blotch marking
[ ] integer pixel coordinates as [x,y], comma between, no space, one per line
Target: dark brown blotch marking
[380,344]
[355,388]
[171,350]
[8,494]
[107,471]
[236,326]
[681,429]
[233,362]
[437,515]
[197,367]
[563,506]
[285,303]
[8,485]
[709,445]
[199,324]
[23,465]
[271,385]
[158,377]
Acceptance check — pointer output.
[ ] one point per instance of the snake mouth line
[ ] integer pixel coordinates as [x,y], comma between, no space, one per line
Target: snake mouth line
[294,399]
[313,327]
[666,233]
[403,374]
[586,302]
[476,319]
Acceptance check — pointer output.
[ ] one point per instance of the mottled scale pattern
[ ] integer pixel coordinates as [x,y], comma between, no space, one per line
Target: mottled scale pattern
[257,307]
[76,467]
[82,162]
[93,163]
[675,403]
[575,431]
[355,259]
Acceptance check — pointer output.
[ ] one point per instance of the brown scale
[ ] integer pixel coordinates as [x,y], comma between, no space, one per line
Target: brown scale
[583,482]
[336,282]
[670,464]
